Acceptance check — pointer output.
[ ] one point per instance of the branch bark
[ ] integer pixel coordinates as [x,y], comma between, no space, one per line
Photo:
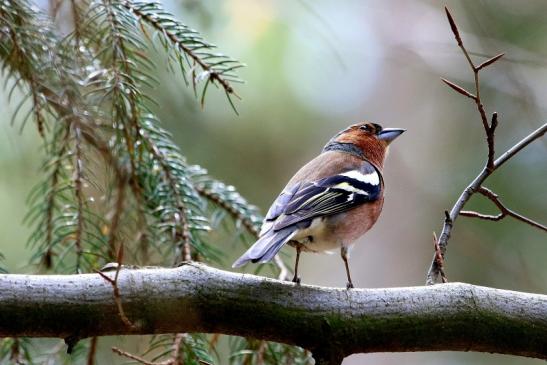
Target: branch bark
[332,323]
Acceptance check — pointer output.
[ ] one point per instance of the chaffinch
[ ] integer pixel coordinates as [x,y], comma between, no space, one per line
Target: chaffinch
[331,201]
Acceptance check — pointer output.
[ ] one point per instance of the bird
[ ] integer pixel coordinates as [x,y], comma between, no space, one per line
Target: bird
[331,201]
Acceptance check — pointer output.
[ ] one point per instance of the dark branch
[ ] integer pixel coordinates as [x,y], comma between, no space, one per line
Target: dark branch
[504,211]
[490,166]
[439,259]
[434,272]
[196,298]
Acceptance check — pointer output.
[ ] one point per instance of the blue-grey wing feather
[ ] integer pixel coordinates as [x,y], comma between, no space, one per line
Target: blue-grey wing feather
[331,195]
[278,207]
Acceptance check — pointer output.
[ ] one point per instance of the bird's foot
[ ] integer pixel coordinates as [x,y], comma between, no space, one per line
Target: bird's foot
[296,279]
[349,285]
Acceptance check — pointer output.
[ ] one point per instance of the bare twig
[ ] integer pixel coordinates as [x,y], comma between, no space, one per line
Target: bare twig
[538,133]
[433,272]
[439,258]
[51,199]
[15,353]
[116,290]
[504,211]
[92,351]
[138,359]
[283,271]
[488,129]
[115,222]
[78,190]
[260,353]
[173,359]
[490,140]
[491,163]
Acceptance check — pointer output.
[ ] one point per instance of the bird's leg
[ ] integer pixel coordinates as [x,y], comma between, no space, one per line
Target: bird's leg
[344,254]
[296,279]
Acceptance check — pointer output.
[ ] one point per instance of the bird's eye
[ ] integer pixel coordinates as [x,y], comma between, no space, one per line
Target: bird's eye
[364,128]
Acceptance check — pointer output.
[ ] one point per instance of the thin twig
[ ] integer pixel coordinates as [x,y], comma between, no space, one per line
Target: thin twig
[476,70]
[283,271]
[92,351]
[15,353]
[260,353]
[132,357]
[433,272]
[171,361]
[490,140]
[491,163]
[504,211]
[439,258]
[538,133]
[51,199]
[115,222]
[116,292]
[78,190]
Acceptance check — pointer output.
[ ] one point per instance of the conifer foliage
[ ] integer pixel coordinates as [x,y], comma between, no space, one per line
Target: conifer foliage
[115,187]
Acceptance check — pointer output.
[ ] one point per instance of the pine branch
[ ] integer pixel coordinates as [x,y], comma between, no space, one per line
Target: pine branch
[15,350]
[171,196]
[18,47]
[191,50]
[91,83]
[227,198]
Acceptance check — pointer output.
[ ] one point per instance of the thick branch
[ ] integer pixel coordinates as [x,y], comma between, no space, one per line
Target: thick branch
[196,298]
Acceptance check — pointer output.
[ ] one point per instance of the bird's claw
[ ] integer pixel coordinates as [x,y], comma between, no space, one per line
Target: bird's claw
[296,280]
[349,285]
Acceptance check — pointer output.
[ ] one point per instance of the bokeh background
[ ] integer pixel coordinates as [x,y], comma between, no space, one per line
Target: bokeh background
[313,67]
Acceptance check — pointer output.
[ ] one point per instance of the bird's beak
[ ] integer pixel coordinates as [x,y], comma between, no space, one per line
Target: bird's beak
[389,134]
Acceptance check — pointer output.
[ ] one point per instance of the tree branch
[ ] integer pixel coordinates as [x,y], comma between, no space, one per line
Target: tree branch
[433,273]
[197,298]
[504,211]
[490,166]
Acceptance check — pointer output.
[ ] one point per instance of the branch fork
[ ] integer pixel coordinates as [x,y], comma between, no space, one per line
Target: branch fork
[436,267]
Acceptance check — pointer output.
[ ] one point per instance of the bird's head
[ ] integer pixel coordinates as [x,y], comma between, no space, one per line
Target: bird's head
[370,139]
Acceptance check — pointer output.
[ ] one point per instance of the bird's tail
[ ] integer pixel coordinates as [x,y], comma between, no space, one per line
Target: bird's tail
[266,247]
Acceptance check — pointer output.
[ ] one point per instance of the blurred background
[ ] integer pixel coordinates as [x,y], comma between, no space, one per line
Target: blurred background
[314,67]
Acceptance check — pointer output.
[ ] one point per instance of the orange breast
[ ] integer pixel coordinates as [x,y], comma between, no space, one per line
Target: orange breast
[347,227]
